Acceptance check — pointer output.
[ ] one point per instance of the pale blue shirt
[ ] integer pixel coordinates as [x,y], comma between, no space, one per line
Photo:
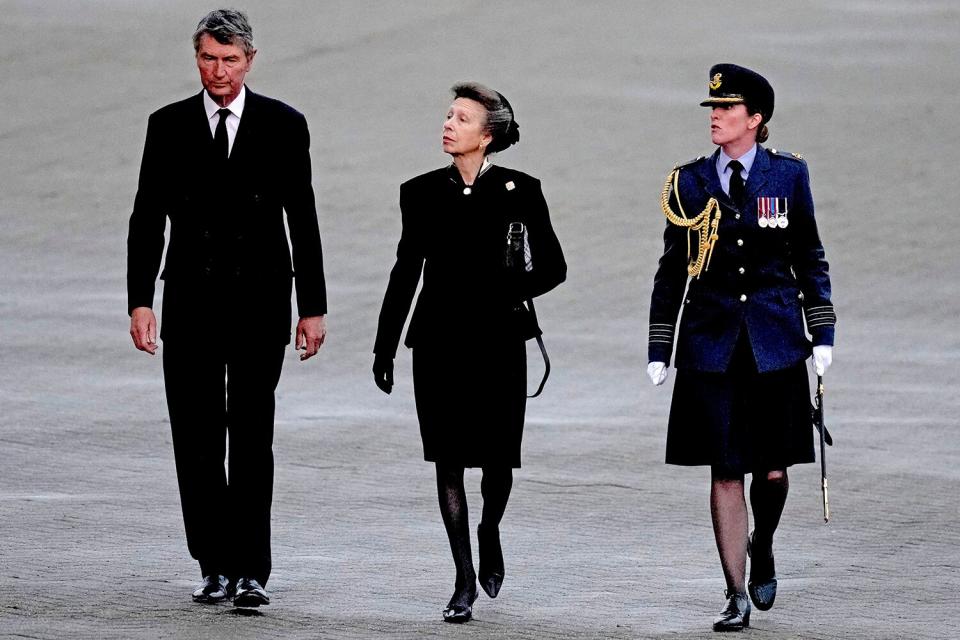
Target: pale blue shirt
[724,172]
[233,120]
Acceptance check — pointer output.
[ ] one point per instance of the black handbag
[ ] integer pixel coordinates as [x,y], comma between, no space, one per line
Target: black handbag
[517,258]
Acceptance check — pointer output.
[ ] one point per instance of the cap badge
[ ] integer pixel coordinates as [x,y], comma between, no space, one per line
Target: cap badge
[715,83]
[510,186]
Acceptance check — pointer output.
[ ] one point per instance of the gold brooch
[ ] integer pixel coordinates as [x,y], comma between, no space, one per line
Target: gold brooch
[715,83]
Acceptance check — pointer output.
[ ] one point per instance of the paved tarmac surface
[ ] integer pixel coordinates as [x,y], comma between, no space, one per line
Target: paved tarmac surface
[602,540]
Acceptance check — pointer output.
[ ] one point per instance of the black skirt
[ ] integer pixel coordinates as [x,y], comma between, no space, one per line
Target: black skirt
[741,421]
[471,402]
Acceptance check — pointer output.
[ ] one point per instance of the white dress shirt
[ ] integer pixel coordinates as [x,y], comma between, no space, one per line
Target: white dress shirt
[233,120]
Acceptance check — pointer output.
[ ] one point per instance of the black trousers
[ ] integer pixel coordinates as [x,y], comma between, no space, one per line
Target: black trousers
[214,390]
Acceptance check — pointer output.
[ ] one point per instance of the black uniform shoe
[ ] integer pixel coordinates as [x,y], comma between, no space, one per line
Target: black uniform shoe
[763,575]
[491,561]
[213,589]
[460,607]
[735,616]
[249,593]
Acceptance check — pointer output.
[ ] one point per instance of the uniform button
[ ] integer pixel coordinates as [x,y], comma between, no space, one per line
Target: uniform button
[207,270]
[737,216]
[800,296]
[739,242]
[742,270]
[743,297]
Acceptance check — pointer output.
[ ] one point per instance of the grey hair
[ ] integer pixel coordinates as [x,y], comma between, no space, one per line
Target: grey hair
[501,123]
[226,26]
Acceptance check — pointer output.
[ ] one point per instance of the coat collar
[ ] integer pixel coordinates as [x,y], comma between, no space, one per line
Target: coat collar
[706,170]
[248,123]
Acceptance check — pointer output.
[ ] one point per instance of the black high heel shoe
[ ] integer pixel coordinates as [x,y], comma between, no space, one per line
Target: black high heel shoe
[735,615]
[763,576]
[460,607]
[491,561]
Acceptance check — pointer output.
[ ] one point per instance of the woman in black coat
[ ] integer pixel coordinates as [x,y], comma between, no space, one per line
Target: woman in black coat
[741,401]
[469,325]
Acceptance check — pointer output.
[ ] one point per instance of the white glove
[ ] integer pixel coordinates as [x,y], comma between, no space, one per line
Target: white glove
[822,358]
[657,372]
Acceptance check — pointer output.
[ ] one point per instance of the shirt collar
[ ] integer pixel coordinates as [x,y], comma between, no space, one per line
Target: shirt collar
[235,107]
[455,173]
[746,160]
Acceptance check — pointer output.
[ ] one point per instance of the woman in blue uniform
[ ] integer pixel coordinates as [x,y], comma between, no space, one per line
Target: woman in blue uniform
[740,225]
[469,325]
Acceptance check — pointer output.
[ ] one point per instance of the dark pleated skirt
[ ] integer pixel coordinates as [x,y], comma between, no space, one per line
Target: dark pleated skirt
[741,421]
[471,402]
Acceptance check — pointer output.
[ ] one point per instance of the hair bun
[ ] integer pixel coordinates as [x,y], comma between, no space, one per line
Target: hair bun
[513,133]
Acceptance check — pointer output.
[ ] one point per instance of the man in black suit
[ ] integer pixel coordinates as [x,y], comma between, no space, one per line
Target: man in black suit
[223,166]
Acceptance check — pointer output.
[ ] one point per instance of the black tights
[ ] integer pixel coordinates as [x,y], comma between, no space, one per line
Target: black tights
[495,489]
[768,494]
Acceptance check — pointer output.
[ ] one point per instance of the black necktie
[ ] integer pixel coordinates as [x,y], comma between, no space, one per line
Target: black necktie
[220,136]
[737,191]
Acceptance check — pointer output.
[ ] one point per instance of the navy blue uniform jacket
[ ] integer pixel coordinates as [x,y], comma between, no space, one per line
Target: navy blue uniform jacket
[228,250]
[762,280]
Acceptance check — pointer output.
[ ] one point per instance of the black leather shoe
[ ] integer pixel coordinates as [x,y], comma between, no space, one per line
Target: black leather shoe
[763,575]
[460,607]
[735,616]
[213,589]
[249,593]
[491,561]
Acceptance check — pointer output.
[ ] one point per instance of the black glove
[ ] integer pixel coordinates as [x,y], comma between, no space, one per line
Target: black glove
[383,372]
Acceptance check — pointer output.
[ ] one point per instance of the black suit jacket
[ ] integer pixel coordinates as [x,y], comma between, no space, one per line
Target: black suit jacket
[458,240]
[228,263]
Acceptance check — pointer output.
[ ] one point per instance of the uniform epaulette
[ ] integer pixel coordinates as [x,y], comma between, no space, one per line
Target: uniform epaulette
[687,163]
[788,155]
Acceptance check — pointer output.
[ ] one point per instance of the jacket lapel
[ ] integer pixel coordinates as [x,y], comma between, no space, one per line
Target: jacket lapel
[248,126]
[198,125]
[706,170]
[758,175]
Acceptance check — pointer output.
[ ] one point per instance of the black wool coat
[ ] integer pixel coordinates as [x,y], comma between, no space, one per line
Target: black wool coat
[458,241]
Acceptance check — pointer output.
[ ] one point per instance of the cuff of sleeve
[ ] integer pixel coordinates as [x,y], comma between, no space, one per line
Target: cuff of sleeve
[659,353]
[822,336]
[660,341]
[309,311]
[133,304]
[821,322]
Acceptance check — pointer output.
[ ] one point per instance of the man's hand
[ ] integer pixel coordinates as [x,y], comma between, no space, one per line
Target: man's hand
[311,332]
[657,372]
[143,329]
[822,358]
[383,373]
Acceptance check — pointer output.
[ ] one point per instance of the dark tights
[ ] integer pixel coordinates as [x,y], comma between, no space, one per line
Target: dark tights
[495,489]
[768,494]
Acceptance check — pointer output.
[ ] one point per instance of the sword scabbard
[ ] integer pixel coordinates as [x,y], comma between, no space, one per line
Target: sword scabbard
[826,502]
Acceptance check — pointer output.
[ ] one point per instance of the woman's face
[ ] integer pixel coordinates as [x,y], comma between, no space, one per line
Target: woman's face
[732,124]
[464,128]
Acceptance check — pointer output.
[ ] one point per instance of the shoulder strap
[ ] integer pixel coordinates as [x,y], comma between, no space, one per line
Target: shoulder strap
[543,351]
